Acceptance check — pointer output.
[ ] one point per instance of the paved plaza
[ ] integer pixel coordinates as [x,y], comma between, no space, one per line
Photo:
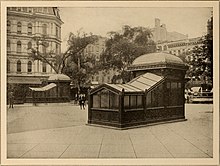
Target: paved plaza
[60,131]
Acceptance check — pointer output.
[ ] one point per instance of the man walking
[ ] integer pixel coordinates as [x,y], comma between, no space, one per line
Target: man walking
[11,99]
[82,101]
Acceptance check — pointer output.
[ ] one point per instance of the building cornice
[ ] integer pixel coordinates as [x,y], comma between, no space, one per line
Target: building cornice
[34,16]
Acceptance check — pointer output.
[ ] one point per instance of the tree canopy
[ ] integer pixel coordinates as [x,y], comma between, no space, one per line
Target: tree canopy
[76,44]
[201,61]
[123,47]
[80,67]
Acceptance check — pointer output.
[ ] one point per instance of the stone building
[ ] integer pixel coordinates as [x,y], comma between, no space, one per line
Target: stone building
[180,46]
[160,33]
[96,49]
[23,25]
[173,42]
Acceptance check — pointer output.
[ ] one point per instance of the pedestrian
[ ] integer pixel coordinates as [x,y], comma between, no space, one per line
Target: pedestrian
[11,99]
[83,101]
[80,101]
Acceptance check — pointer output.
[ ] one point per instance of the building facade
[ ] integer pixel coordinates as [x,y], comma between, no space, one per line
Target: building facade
[30,27]
[180,46]
[23,25]
[97,49]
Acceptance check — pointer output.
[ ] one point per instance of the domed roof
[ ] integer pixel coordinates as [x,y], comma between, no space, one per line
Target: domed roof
[157,58]
[60,77]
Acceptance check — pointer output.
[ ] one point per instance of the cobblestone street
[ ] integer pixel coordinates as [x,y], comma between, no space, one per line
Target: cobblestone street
[60,131]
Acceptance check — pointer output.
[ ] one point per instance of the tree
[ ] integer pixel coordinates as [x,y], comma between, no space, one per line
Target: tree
[76,44]
[79,68]
[123,47]
[201,60]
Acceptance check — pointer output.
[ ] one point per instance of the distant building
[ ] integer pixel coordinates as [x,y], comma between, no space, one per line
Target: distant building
[160,33]
[180,46]
[173,42]
[97,49]
[184,47]
[24,23]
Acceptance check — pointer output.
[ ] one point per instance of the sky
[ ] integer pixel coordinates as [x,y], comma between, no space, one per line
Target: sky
[100,21]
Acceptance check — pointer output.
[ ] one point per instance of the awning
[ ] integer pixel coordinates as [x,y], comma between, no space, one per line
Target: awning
[45,88]
[141,83]
[23,80]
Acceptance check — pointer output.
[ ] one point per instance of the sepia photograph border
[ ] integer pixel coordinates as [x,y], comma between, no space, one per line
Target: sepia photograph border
[112,161]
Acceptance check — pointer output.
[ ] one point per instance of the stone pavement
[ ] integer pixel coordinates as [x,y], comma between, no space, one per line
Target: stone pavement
[59,131]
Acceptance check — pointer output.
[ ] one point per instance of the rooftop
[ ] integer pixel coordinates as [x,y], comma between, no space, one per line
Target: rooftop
[157,58]
[139,84]
[60,77]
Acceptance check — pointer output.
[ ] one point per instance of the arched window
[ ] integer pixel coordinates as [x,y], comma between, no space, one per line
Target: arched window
[18,66]
[57,49]
[57,33]
[8,65]
[19,46]
[44,29]
[19,27]
[40,9]
[8,45]
[29,29]
[29,45]
[45,9]
[165,48]
[8,26]
[44,67]
[44,50]
[29,66]
[35,9]
[50,10]
[24,9]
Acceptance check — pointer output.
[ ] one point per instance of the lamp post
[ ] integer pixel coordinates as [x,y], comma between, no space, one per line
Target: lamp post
[39,41]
